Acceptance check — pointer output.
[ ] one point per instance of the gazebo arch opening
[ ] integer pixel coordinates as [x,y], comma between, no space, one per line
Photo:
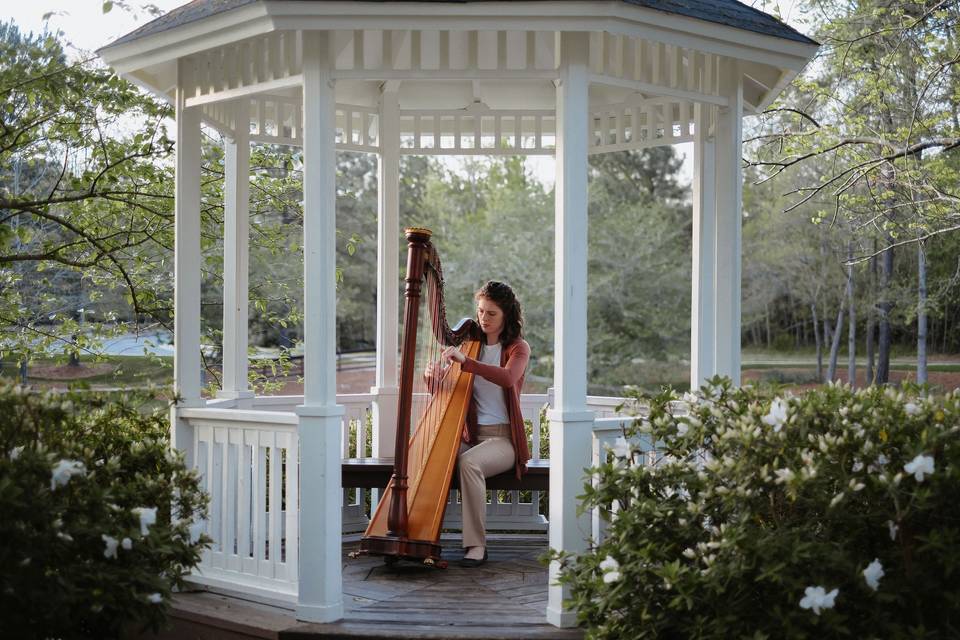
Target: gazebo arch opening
[566,79]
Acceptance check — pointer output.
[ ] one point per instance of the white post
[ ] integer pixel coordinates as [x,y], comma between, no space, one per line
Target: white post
[320,595]
[729,219]
[186,273]
[385,391]
[703,312]
[571,423]
[236,238]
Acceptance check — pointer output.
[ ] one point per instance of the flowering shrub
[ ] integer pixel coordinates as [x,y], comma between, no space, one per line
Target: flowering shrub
[831,514]
[100,520]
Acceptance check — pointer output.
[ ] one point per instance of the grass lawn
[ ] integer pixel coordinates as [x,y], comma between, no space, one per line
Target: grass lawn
[807,364]
[106,371]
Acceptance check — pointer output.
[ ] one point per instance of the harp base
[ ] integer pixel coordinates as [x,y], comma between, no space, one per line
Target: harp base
[399,548]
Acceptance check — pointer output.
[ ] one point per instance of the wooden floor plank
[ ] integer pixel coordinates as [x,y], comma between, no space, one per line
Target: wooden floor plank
[504,599]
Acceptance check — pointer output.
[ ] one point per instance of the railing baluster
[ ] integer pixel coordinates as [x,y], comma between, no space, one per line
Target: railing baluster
[260,508]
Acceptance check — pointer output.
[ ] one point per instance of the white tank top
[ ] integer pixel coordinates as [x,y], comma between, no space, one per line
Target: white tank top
[489,397]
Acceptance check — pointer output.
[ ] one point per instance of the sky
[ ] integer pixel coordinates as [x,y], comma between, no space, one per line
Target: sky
[87,28]
[83,22]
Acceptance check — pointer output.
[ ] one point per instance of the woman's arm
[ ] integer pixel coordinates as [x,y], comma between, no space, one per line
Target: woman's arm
[509,374]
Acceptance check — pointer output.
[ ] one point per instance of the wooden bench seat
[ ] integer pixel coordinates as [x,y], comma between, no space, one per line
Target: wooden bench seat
[374,473]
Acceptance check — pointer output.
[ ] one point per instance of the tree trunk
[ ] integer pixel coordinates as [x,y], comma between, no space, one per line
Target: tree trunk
[946,323]
[921,315]
[835,344]
[885,306]
[851,323]
[769,339]
[827,331]
[816,337]
[871,320]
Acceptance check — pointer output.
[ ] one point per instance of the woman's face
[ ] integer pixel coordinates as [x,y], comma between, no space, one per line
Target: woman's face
[490,317]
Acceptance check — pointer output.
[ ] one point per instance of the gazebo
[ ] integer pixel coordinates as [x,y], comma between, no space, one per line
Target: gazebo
[567,78]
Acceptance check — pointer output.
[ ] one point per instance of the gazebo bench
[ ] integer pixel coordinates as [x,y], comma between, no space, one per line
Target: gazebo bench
[374,473]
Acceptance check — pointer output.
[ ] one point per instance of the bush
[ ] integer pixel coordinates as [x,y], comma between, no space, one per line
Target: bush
[831,514]
[100,517]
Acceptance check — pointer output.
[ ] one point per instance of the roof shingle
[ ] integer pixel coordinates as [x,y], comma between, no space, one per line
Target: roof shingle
[726,12]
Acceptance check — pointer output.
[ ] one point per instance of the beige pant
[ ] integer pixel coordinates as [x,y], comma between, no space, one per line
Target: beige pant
[493,454]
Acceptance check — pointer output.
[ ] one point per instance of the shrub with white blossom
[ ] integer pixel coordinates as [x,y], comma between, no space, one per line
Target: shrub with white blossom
[834,513]
[99,520]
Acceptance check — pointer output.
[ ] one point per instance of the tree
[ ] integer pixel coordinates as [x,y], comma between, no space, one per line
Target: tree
[878,117]
[85,207]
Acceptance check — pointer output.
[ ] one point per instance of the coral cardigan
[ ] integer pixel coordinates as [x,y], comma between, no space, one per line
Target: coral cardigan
[509,375]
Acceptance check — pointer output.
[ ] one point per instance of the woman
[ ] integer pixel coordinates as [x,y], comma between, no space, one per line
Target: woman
[494,439]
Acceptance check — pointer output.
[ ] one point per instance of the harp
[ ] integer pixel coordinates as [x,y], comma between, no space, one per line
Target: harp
[406,522]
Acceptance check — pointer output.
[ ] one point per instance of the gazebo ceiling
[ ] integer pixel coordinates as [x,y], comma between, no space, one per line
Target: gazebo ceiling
[649,62]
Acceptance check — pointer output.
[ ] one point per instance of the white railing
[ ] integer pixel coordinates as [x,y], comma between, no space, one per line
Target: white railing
[356,431]
[244,459]
[606,432]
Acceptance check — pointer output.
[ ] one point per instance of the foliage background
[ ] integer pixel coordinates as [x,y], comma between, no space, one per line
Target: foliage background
[56,579]
[744,509]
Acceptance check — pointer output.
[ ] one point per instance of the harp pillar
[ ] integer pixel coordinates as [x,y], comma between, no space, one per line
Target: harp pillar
[236,251]
[571,423]
[729,177]
[320,594]
[386,392]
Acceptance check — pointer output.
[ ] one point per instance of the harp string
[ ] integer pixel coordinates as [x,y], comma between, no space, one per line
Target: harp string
[428,403]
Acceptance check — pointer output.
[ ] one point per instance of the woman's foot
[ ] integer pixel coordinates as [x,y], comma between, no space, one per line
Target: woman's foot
[474,557]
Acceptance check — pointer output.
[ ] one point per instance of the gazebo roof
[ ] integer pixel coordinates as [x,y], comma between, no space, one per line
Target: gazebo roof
[487,67]
[726,12]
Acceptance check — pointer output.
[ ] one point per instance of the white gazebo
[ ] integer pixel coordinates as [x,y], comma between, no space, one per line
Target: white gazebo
[566,78]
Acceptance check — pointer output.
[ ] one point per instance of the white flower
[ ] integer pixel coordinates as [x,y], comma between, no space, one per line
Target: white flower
[621,448]
[110,550]
[63,471]
[911,409]
[682,429]
[892,528]
[873,573]
[882,460]
[15,452]
[66,537]
[127,544]
[155,598]
[783,476]
[817,598]
[611,569]
[609,564]
[689,553]
[836,499]
[920,466]
[148,516]
[777,415]
[857,466]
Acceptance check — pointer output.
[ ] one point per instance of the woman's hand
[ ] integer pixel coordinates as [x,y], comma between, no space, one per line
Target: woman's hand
[451,354]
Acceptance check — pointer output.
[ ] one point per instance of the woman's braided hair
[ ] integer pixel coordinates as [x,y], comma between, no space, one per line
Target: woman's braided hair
[503,296]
